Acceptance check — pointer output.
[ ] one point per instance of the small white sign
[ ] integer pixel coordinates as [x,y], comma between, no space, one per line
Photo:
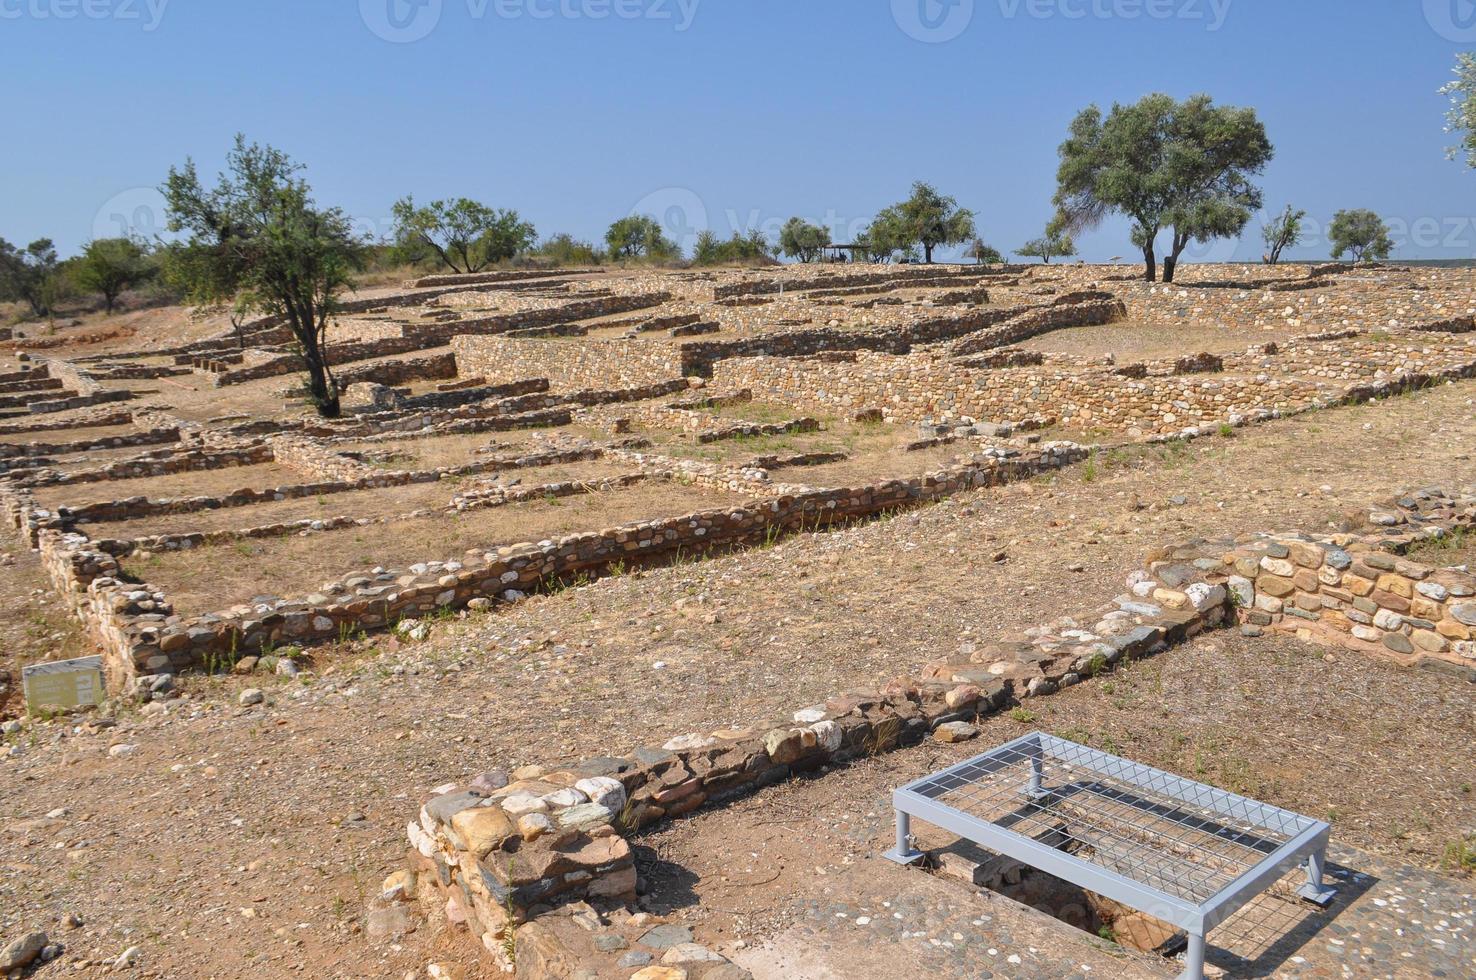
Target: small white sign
[63,683]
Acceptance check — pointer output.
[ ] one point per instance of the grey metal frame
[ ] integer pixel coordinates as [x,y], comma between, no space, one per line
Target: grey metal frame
[1194,902]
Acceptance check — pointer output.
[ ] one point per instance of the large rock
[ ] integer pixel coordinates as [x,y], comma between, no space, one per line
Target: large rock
[22,952]
[483,829]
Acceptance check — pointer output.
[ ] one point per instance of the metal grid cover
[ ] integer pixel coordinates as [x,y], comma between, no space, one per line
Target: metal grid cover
[1185,852]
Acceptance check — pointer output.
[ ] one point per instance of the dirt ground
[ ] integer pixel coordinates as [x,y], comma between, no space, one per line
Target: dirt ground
[196,483]
[235,842]
[1290,724]
[209,579]
[1147,342]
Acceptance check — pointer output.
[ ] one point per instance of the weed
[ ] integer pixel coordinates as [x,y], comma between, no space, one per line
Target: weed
[1460,855]
[1023,715]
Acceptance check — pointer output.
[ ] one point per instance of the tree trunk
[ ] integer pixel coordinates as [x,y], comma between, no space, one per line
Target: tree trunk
[324,393]
[1171,262]
[927,253]
[1150,262]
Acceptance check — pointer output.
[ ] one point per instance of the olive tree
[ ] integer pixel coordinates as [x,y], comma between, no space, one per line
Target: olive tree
[983,254]
[1281,233]
[1054,244]
[108,266]
[1360,232]
[799,239]
[31,274]
[466,235]
[1182,166]
[885,236]
[1461,120]
[640,236]
[260,236]
[931,219]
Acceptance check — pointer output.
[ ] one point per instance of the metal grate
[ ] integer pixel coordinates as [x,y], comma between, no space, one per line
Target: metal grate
[1184,852]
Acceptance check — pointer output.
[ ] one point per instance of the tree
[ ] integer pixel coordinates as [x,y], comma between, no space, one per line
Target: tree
[564,250]
[799,239]
[108,266]
[750,248]
[1164,164]
[209,277]
[465,235]
[1282,233]
[1461,120]
[983,254]
[640,236]
[259,235]
[1055,243]
[885,236]
[930,219]
[1361,232]
[31,274]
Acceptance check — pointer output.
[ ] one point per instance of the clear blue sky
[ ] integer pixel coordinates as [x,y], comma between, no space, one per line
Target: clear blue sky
[742,112]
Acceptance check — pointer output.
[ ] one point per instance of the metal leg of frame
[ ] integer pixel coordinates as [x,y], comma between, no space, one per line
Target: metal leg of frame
[1194,959]
[904,853]
[1035,788]
[1316,890]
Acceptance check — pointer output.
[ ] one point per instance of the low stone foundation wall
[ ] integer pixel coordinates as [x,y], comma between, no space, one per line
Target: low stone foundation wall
[128,469]
[507,848]
[1136,400]
[146,644]
[151,437]
[78,401]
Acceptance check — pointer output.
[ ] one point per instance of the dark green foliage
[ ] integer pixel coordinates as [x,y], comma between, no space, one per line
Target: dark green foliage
[259,237]
[108,266]
[1361,232]
[929,219]
[32,274]
[984,254]
[799,239]
[640,237]
[466,235]
[1185,166]
[1284,232]
[565,251]
[1054,244]
[740,249]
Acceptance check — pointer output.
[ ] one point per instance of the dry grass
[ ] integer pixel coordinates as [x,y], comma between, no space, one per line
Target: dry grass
[371,504]
[77,434]
[196,483]
[209,579]
[1146,342]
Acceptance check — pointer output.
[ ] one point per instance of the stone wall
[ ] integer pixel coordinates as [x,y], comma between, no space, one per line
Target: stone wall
[506,848]
[927,384]
[375,600]
[582,362]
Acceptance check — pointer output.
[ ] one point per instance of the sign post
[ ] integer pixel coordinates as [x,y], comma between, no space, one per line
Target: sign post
[63,683]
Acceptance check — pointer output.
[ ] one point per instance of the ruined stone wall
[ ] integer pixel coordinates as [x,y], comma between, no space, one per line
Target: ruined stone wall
[374,600]
[566,363]
[928,384]
[507,846]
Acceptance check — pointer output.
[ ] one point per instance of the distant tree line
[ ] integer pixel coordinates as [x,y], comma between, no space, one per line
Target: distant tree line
[257,243]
